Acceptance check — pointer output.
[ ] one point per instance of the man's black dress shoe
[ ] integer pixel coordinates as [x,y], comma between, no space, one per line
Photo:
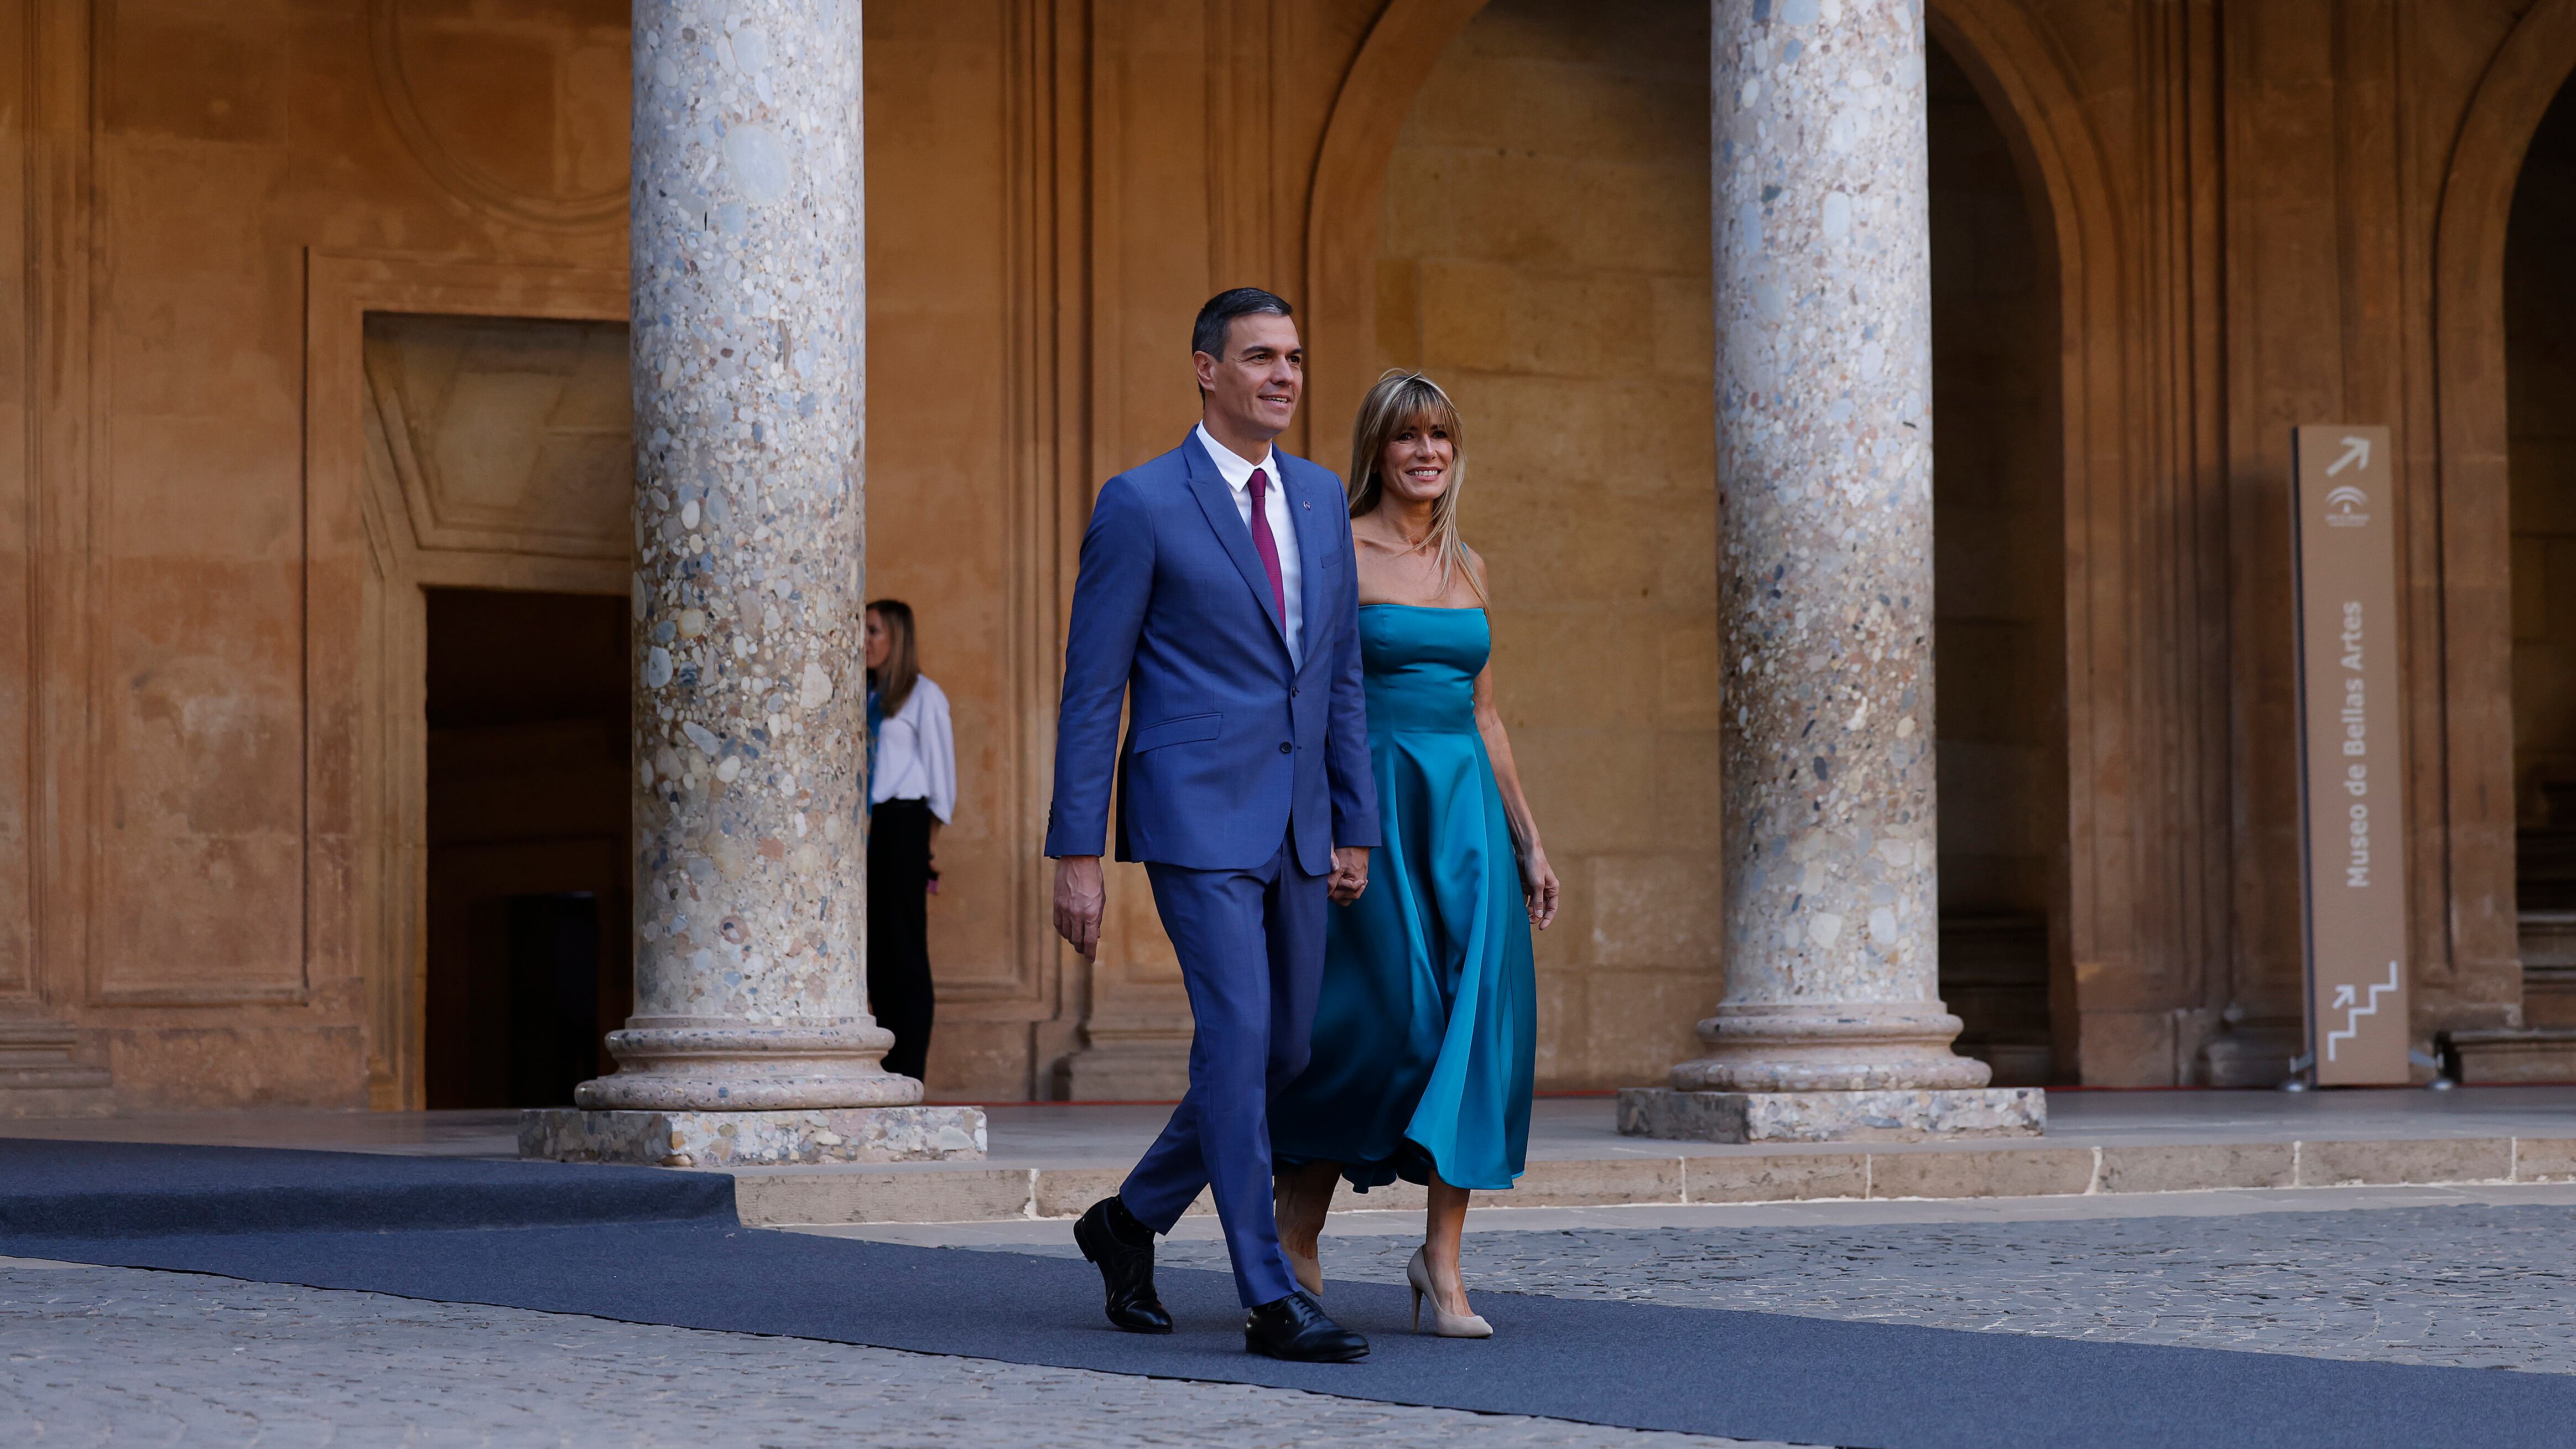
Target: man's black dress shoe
[1110,1236]
[1294,1328]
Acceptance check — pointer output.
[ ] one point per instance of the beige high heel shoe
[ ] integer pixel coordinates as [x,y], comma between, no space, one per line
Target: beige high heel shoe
[1444,1323]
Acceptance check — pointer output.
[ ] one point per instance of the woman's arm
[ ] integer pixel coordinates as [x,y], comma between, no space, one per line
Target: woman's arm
[938,753]
[1538,879]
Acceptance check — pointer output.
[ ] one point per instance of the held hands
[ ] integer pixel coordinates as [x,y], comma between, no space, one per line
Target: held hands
[1538,884]
[1350,874]
[1080,897]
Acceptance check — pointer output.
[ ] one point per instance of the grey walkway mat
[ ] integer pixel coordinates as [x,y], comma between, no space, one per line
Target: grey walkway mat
[117,1189]
[1739,1374]
[1744,1375]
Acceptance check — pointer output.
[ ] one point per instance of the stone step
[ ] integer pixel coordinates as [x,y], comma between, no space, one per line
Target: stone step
[2524,1054]
[41,1076]
[930,1193]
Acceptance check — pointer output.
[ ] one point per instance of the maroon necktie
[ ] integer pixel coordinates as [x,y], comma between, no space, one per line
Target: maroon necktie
[1265,545]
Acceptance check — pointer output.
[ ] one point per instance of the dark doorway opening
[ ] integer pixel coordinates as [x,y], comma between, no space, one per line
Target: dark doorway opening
[2540,419]
[530,959]
[1999,606]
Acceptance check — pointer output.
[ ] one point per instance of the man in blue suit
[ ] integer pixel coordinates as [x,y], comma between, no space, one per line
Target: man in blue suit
[1218,598]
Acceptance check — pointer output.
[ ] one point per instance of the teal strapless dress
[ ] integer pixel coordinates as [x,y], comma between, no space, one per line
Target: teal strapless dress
[1426,1033]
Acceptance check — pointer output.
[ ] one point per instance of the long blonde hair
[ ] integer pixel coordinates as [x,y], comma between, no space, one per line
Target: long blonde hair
[1398,400]
[893,681]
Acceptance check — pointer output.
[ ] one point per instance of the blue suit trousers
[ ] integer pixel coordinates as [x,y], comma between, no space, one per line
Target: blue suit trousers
[1251,946]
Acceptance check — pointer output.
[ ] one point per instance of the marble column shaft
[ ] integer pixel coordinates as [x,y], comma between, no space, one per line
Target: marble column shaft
[750,713]
[1824,420]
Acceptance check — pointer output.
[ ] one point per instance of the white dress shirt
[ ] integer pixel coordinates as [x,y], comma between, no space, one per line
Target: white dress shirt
[1238,477]
[916,753]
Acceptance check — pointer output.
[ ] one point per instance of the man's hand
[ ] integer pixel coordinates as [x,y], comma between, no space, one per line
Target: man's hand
[1350,875]
[1079,899]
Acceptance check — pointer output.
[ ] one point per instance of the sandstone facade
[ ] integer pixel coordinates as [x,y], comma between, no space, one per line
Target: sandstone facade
[313,309]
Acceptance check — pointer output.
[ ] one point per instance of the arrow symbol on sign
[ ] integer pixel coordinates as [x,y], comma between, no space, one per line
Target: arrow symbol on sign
[2356,453]
[2343,996]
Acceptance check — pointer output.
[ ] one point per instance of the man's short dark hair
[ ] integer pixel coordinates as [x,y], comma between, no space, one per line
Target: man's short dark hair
[1217,317]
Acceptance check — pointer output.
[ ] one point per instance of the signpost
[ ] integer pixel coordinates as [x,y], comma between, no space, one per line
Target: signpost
[2352,795]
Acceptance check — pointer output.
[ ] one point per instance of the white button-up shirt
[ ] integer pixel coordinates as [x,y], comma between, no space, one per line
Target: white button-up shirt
[1283,531]
[916,753]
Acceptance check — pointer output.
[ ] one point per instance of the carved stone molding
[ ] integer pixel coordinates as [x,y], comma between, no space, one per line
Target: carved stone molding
[403,49]
[370,559]
[506,437]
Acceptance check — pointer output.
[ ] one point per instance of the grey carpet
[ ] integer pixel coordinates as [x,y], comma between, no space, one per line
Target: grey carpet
[1739,1374]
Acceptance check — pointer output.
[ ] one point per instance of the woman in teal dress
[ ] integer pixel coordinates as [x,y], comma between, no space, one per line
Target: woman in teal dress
[1426,1031]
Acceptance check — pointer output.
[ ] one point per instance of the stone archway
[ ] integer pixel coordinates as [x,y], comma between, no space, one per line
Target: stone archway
[1998,506]
[1350,189]
[2474,501]
[2114,907]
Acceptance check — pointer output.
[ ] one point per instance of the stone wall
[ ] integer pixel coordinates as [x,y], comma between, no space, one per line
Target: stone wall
[958,483]
[2256,214]
[1546,259]
[208,694]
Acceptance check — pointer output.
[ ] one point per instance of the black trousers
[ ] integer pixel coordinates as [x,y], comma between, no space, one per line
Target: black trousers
[899,930]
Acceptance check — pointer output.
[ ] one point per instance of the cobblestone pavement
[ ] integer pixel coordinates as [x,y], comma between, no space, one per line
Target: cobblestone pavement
[2473,1285]
[120,1357]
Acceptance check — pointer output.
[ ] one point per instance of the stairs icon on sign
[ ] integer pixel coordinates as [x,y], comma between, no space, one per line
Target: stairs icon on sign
[2347,998]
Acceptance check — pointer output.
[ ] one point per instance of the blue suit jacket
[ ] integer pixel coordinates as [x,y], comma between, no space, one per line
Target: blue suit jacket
[1232,749]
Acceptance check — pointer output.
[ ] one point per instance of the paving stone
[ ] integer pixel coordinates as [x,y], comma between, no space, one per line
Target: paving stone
[1065,1192]
[2470,1285]
[1781,1178]
[1584,1182]
[974,1195]
[2544,1159]
[2198,1166]
[1992,1172]
[2450,1159]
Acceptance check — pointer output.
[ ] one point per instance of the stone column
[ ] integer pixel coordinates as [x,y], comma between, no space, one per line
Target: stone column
[1831,1026]
[751,1040]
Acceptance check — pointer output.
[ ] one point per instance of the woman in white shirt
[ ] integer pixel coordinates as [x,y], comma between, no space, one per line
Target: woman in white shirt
[912,788]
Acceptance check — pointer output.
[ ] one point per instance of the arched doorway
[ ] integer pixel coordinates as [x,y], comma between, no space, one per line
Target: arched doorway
[1542,248]
[1999,565]
[2540,417]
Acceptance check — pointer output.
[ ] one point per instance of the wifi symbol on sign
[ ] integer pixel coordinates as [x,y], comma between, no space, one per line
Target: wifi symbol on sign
[2347,498]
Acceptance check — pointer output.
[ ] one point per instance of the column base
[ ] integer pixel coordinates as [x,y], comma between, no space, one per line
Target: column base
[688,1138]
[1881,1116]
